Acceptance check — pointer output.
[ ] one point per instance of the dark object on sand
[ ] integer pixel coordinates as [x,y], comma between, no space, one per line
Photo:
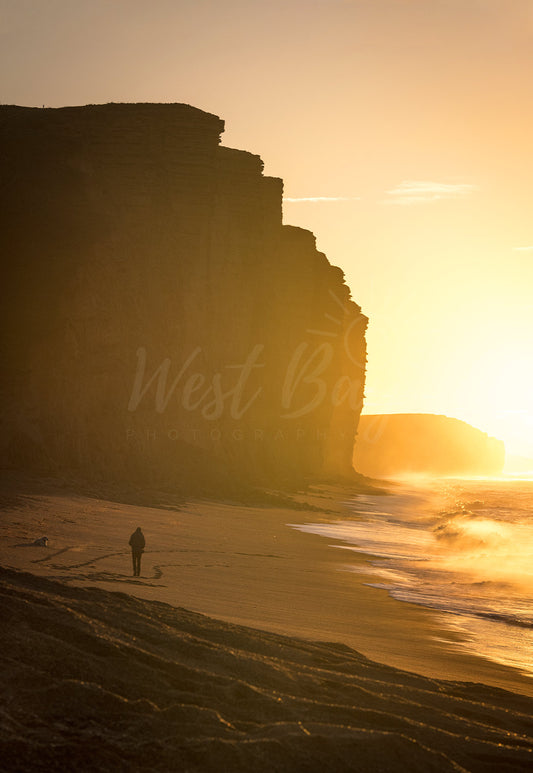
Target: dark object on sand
[42,542]
[137,543]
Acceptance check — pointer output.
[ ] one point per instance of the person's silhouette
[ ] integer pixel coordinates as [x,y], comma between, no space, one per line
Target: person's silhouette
[137,543]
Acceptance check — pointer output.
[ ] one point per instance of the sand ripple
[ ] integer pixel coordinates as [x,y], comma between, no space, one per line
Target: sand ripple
[99,681]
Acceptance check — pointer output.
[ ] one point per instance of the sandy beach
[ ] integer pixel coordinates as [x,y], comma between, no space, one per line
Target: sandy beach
[244,565]
[138,680]
[291,665]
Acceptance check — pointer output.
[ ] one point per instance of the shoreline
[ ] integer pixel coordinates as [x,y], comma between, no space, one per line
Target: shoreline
[243,565]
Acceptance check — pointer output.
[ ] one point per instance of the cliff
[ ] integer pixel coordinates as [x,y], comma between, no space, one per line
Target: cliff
[160,325]
[403,443]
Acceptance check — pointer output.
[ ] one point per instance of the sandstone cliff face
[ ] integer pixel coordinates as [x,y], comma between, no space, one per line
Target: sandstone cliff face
[160,324]
[400,444]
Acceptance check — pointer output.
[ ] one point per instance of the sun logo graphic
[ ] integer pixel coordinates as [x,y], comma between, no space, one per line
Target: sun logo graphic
[307,372]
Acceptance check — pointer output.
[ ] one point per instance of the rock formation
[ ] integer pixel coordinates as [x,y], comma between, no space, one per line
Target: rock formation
[160,324]
[405,443]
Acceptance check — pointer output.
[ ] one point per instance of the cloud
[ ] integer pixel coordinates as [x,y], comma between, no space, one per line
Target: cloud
[417,191]
[321,198]
[524,249]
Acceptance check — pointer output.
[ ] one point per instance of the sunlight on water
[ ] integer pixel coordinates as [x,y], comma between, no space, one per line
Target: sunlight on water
[487,549]
[462,547]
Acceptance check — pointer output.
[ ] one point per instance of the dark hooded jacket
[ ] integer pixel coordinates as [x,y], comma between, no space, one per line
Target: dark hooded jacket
[137,541]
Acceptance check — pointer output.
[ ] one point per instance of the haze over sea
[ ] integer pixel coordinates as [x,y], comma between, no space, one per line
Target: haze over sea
[461,547]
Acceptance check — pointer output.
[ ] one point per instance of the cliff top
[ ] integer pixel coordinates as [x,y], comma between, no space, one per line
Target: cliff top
[168,113]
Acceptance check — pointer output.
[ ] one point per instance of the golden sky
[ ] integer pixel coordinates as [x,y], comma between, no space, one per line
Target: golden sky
[409,121]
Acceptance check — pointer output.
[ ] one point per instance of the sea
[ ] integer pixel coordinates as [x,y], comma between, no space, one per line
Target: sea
[461,547]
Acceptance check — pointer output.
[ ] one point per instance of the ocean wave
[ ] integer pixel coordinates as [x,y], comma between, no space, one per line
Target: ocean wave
[508,619]
[465,552]
[468,534]
[454,605]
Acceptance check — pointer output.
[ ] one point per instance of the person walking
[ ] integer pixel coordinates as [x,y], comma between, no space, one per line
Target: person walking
[137,543]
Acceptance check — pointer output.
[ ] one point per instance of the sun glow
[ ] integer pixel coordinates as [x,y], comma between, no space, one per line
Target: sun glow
[500,380]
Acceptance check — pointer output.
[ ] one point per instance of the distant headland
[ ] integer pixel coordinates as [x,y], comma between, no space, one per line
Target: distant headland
[423,443]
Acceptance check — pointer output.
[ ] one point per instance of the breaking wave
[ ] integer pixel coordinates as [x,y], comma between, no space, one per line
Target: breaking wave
[463,548]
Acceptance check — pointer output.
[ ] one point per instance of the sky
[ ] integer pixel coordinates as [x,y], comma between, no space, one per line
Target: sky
[402,130]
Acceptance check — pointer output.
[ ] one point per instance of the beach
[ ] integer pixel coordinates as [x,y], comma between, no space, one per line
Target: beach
[246,566]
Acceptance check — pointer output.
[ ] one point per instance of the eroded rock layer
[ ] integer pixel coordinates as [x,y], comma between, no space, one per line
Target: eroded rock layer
[160,323]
